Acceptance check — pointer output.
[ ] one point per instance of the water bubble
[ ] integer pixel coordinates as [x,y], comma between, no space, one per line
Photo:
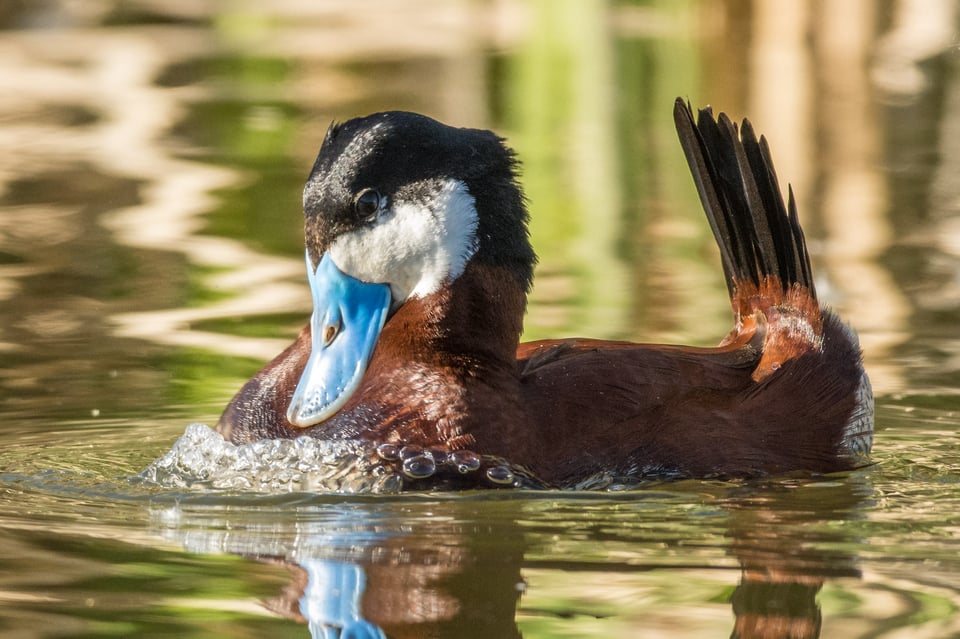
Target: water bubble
[465,461]
[411,451]
[388,452]
[500,475]
[419,466]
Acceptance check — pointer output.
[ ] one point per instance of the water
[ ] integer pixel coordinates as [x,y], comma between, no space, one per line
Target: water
[151,260]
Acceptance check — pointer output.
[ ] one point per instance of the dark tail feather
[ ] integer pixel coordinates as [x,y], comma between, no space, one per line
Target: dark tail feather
[758,236]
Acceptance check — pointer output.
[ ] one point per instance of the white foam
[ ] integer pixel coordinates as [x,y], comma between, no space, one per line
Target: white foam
[202,459]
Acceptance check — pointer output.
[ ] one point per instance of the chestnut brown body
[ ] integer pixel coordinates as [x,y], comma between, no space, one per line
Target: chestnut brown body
[784,391]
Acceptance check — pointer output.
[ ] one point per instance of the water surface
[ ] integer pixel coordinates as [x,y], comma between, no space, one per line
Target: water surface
[151,161]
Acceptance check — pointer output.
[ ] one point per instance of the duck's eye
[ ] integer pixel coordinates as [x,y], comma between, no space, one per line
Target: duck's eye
[367,204]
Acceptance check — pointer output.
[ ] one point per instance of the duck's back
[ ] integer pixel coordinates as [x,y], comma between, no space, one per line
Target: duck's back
[637,411]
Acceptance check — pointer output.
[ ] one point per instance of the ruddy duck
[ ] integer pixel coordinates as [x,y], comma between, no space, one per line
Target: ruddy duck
[419,264]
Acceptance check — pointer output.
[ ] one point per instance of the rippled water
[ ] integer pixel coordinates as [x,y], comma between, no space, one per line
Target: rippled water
[151,158]
[89,550]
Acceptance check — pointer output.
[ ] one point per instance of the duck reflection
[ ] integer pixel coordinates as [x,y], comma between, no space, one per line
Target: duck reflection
[456,567]
[455,580]
[785,540]
[332,598]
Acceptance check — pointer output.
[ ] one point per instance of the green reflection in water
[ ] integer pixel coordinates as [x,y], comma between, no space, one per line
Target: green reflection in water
[559,79]
[108,588]
[266,325]
[257,139]
[615,218]
[249,125]
[201,381]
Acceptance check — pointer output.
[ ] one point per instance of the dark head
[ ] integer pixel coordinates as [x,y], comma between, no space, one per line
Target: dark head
[397,205]
[402,199]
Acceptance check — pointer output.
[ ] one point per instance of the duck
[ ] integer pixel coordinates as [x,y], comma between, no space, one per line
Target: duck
[419,263]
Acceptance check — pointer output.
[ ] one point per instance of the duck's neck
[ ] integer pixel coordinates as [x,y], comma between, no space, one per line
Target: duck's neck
[446,363]
[475,321]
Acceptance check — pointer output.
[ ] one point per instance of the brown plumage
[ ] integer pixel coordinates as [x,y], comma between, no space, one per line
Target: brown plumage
[784,391]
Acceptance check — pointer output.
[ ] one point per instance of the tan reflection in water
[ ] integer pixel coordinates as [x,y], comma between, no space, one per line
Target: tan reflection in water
[178,193]
[827,143]
[111,74]
[854,192]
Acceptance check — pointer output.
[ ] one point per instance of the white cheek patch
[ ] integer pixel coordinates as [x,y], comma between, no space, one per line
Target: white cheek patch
[416,246]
